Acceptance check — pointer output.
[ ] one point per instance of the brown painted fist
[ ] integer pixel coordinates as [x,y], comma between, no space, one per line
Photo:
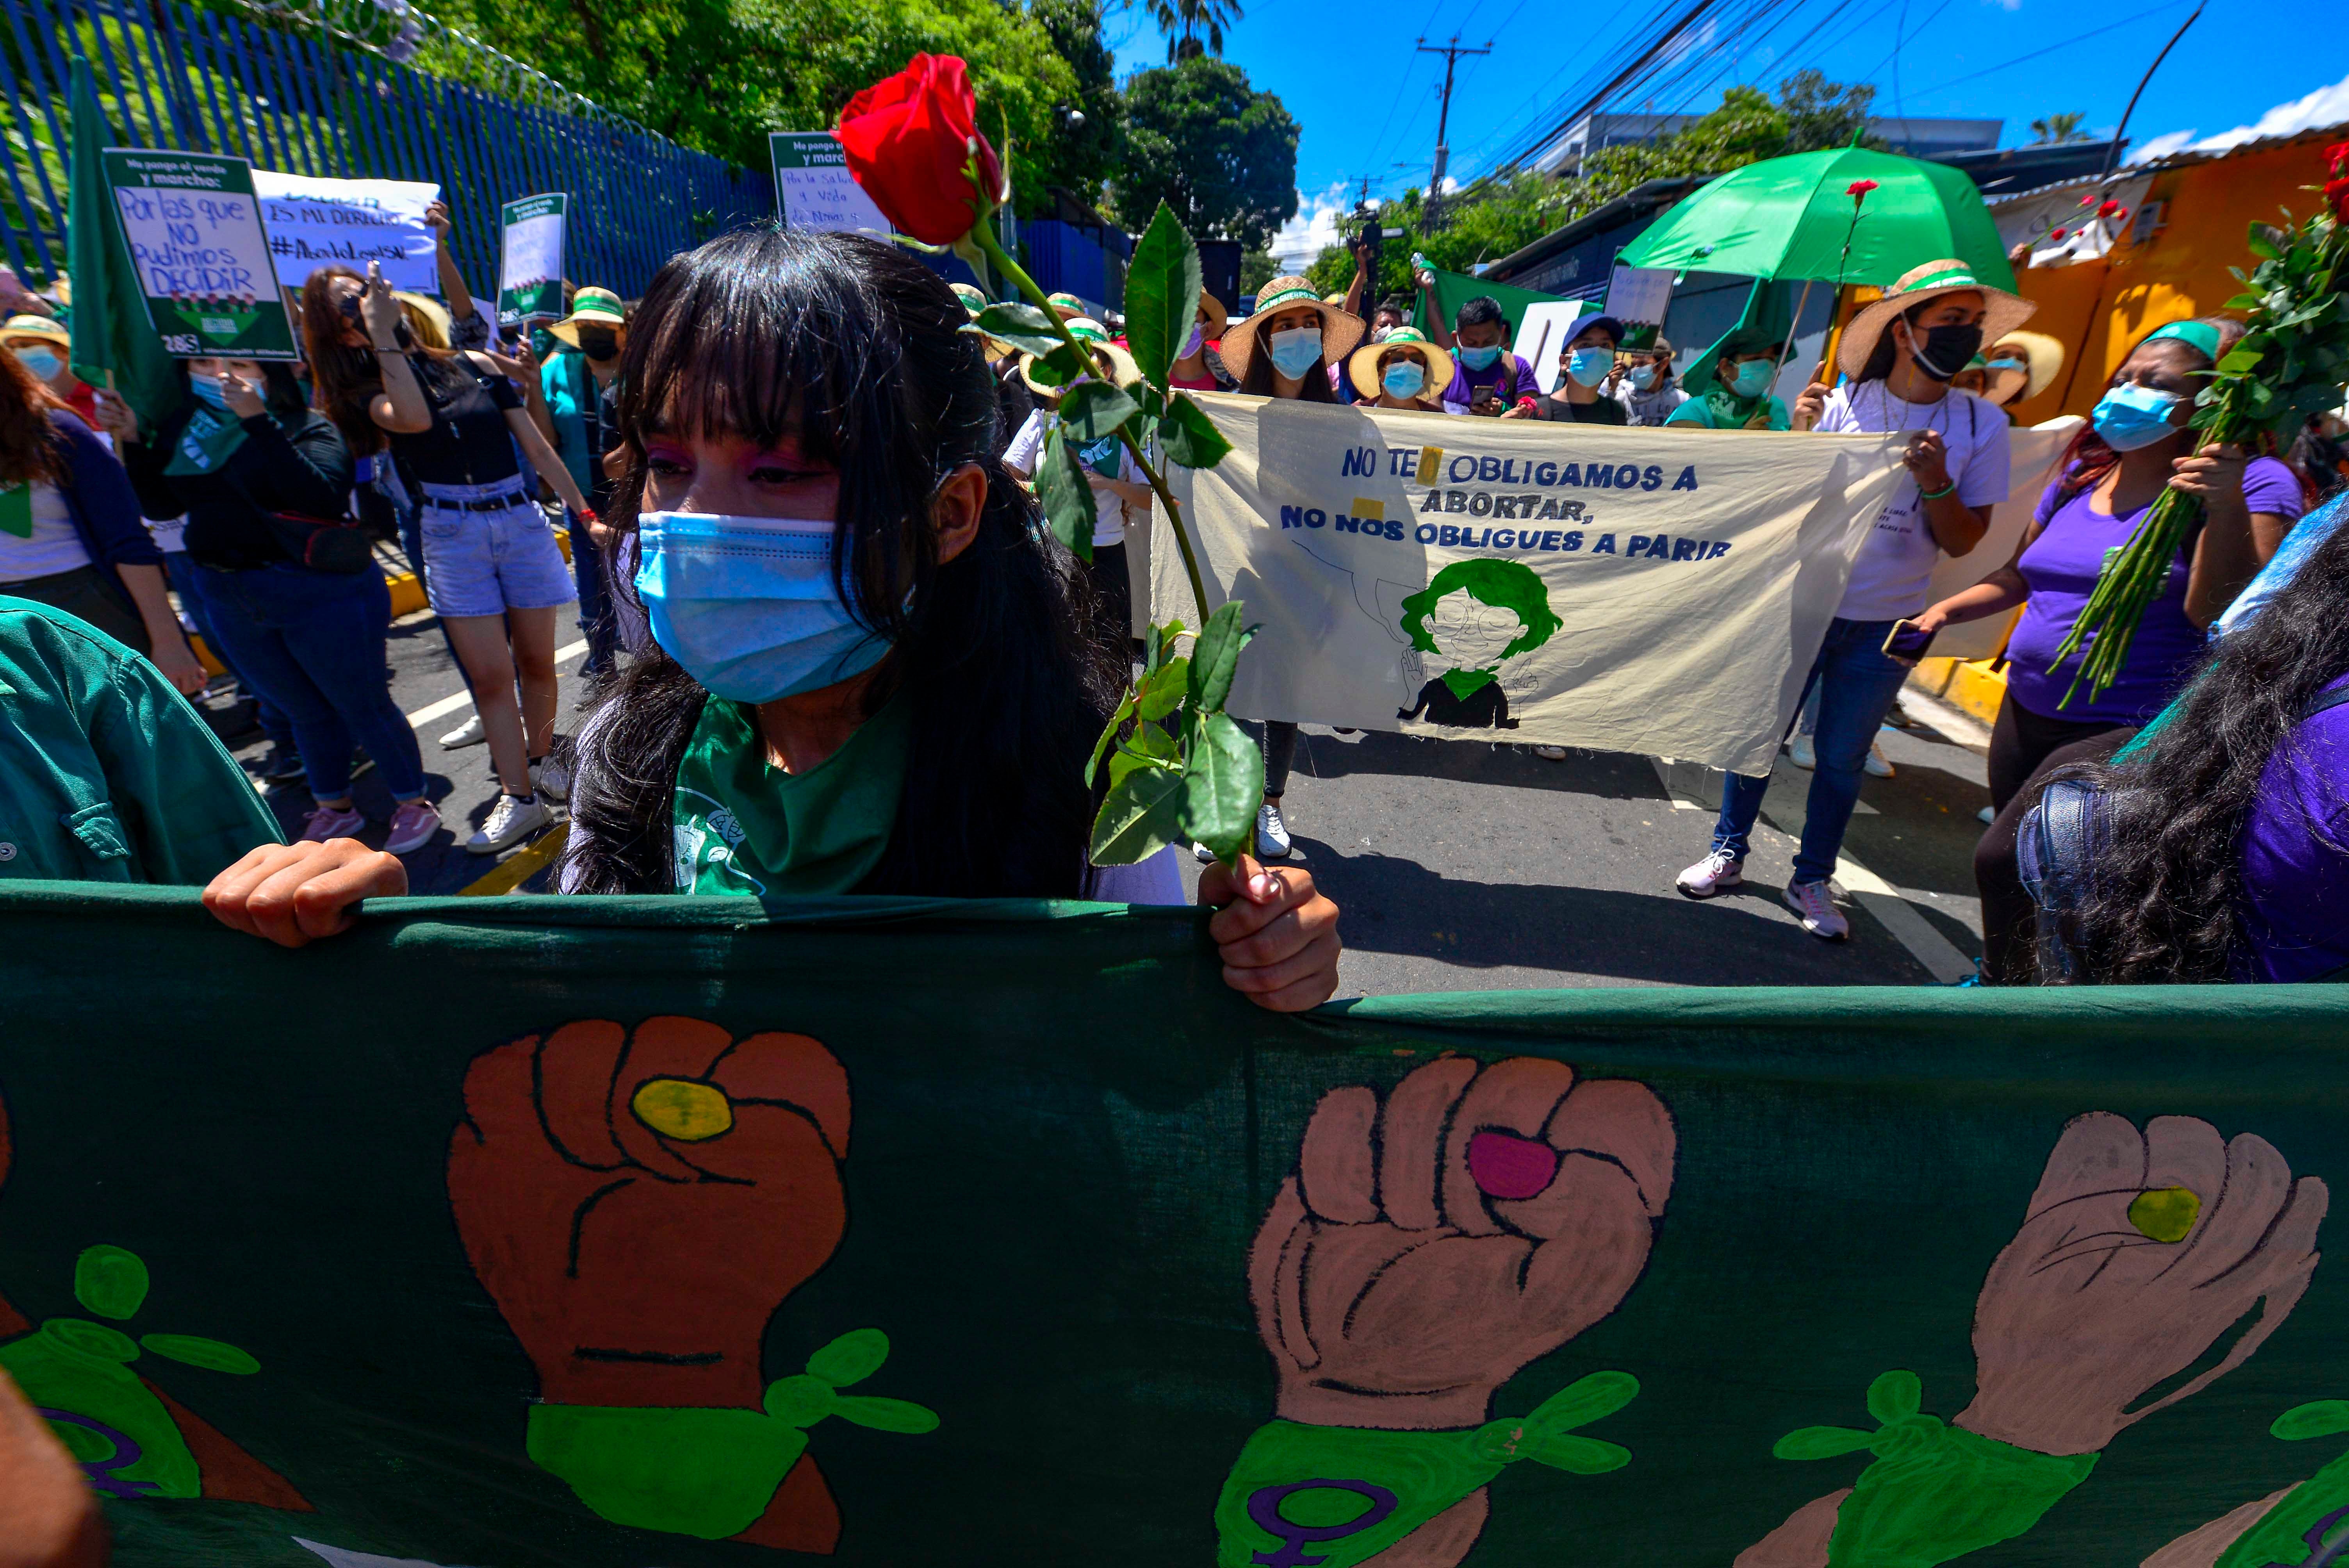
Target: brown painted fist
[1429,1247]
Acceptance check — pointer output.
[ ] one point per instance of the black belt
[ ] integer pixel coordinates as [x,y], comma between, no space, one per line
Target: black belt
[493,503]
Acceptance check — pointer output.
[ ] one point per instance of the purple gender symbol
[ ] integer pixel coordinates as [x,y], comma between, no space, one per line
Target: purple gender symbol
[125,1453]
[1264,1510]
[2323,1553]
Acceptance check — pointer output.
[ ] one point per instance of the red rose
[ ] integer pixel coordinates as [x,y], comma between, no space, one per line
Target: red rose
[2109,210]
[1857,190]
[2336,157]
[908,137]
[2337,191]
[2057,234]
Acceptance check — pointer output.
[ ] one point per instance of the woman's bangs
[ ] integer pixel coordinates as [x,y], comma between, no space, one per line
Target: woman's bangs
[735,356]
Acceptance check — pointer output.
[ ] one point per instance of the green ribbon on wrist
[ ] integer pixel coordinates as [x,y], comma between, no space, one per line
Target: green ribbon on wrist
[2312,1523]
[711,1472]
[1935,1491]
[1300,1495]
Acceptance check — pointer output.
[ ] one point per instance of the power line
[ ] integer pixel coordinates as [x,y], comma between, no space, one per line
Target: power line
[2077,38]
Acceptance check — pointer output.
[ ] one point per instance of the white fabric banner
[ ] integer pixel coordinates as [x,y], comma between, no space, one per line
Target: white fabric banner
[316,223]
[1653,591]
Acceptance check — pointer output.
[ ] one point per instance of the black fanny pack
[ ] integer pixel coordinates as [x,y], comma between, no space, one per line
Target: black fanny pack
[332,544]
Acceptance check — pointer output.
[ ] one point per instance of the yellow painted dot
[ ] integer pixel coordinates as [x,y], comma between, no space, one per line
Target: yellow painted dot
[2166,1214]
[679,1108]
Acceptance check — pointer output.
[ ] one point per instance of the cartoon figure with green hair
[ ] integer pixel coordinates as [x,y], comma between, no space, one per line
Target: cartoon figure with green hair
[1474,615]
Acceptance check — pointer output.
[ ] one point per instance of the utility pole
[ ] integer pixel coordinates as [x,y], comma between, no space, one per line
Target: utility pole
[1451,53]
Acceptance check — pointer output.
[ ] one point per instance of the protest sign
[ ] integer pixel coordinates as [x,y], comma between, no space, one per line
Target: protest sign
[1640,296]
[1543,331]
[318,222]
[193,228]
[1629,590]
[530,266]
[704,1234]
[813,188]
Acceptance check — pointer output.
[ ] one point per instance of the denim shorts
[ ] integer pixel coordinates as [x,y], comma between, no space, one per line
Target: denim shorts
[487,562]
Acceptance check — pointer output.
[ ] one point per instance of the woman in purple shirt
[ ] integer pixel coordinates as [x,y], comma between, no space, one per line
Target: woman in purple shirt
[2227,857]
[2137,446]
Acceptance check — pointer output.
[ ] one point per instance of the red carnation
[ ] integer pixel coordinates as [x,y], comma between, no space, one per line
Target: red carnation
[2109,210]
[1857,190]
[2058,234]
[2089,199]
[908,138]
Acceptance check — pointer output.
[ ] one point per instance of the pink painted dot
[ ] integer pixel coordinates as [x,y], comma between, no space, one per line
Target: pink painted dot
[1507,1166]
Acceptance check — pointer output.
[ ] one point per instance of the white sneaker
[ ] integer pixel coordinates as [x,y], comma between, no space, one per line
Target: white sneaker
[1716,872]
[1272,833]
[1550,753]
[1801,752]
[511,822]
[552,779]
[469,733]
[1821,918]
[1873,765]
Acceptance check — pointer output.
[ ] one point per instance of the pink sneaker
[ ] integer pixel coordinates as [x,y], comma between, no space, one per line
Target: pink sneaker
[330,822]
[413,823]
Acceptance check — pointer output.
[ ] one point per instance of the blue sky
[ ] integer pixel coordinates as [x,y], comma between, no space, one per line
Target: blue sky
[1367,101]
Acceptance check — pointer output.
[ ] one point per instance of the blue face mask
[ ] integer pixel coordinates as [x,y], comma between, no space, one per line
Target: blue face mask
[2129,416]
[41,362]
[747,604]
[1753,377]
[1589,366]
[207,390]
[1295,350]
[1643,377]
[1193,344]
[1406,379]
[1480,358]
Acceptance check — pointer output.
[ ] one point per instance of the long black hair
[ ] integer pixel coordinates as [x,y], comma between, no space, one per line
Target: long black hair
[854,348]
[2166,901]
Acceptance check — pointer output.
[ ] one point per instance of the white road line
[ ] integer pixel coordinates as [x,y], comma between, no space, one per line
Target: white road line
[1928,946]
[449,705]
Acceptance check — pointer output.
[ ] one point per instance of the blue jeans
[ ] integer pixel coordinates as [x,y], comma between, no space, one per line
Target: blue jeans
[186,580]
[596,623]
[411,540]
[1857,685]
[312,643]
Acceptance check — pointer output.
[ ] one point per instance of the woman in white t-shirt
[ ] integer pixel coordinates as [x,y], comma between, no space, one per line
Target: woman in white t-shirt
[1900,355]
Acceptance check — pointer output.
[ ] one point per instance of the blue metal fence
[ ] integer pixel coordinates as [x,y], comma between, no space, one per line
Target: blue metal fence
[195,79]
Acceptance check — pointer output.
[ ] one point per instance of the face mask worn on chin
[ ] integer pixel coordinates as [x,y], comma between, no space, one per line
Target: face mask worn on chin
[1589,366]
[748,605]
[1295,350]
[2129,416]
[1643,377]
[1480,358]
[1954,346]
[1753,377]
[1193,344]
[1405,380]
[41,362]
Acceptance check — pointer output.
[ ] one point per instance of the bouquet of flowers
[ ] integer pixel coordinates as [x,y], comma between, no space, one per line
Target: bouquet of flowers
[2290,364]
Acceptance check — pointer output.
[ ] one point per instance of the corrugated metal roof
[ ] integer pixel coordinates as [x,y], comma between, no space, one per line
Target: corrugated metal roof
[2190,156]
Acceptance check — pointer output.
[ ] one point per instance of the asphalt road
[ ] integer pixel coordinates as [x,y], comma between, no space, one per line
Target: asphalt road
[1461,865]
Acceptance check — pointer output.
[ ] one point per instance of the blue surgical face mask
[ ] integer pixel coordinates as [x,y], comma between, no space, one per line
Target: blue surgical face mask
[1643,377]
[2006,364]
[1589,366]
[749,604]
[1753,377]
[207,389]
[1405,379]
[41,362]
[1295,350]
[2129,416]
[1480,358]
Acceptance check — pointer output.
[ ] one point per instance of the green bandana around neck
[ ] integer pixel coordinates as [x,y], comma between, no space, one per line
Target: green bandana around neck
[209,439]
[16,508]
[747,828]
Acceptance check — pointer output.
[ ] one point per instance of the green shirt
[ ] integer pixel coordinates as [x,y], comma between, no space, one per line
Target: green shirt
[743,826]
[106,773]
[1696,411]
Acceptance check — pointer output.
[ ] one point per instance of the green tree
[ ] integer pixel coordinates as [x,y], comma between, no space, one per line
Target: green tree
[1184,20]
[1822,114]
[1221,154]
[1257,269]
[2057,127]
[1081,156]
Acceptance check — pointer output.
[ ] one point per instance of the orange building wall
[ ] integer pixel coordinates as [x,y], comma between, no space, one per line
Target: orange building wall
[2098,310]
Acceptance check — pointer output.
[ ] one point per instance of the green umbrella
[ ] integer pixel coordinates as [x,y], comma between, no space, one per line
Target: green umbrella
[1793,218]
[114,344]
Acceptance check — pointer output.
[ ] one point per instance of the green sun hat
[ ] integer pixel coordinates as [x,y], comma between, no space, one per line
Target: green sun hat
[591,307]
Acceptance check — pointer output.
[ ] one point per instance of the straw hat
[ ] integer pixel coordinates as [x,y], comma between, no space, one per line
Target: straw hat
[42,326]
[1363,365]
[1219,318]
[591,307]
[1067,306]
[1339,331]
[1917,287]
[973,301]
[1091,332]
[434,313]
[2042,353]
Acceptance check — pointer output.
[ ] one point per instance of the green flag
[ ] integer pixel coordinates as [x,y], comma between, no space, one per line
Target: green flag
[114,345]
[601,1232]
[1453,290]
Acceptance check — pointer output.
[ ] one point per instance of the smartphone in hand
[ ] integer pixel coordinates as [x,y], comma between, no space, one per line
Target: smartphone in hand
[1907,642]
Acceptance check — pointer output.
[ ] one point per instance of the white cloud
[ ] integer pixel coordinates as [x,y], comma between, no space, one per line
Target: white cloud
[1314,226]
[2326,106]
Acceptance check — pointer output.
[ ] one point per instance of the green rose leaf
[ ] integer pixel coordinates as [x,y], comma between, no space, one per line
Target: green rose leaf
[1162,688]
[1067,500]
[1216,655]
[2241,362]
[1162,641]
[1162,294]
[1096,409]
[886,1415]
[1191,437]
[1023,327]
[1108,738]
[1223,782]
[1060,367]
[1148,747]
[2320,1420]
[2262,242]
[851,1358]
[1821,1443]
[210,1354]
[1142,815]
[1895,1395]
[2248,300]
[111,1281]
